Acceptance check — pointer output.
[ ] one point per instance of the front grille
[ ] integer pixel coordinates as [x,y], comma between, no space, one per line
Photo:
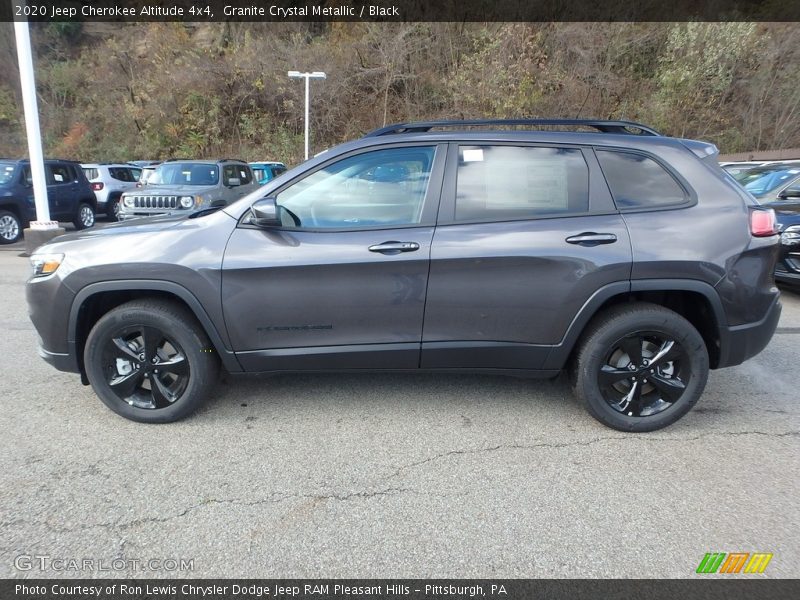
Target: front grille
[155,202]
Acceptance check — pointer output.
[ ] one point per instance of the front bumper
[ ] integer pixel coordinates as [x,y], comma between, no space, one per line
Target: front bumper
[67,362]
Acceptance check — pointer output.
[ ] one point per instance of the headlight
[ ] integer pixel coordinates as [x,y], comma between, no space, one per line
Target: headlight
[187,201]
[45,264]
[128,201]
[791,236]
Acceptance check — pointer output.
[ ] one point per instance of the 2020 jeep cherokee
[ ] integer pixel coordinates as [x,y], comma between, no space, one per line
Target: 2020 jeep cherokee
[626,256]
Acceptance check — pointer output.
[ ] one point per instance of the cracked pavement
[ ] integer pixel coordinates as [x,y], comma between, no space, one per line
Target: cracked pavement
[380,475]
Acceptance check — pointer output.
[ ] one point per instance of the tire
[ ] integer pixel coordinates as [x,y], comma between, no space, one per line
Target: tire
[84,217]
[10,227]
[113,208]
[126,358]
[640,367]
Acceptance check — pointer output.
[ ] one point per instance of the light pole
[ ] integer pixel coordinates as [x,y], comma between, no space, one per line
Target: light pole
[307,76]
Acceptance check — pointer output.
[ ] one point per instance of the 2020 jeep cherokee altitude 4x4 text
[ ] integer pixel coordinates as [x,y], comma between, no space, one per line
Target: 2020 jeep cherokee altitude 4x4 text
[628,257]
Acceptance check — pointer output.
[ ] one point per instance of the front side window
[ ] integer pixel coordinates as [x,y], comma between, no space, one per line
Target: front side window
[497,183]
[240,172]
[637,181]
[373,189]
[7,173]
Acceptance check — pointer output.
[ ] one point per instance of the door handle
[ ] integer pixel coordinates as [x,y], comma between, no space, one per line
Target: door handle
[590,238]
[394,247]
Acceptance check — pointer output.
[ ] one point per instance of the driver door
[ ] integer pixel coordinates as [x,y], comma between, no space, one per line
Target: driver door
[342,284]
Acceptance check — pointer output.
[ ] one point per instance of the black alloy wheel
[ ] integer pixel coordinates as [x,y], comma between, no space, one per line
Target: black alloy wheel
[640,367]
[150,361]
[145,368]
[644,374]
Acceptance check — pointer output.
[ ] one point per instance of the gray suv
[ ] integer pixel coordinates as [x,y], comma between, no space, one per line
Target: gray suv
[627,258]
[182,186]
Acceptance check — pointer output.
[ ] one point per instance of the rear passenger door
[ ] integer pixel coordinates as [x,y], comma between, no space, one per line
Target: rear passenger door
[526,235]
[60,185]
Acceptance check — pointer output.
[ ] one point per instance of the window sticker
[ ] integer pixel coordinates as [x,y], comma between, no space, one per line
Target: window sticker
[473,155]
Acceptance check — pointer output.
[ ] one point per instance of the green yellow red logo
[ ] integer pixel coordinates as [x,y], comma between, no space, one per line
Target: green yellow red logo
[734,562]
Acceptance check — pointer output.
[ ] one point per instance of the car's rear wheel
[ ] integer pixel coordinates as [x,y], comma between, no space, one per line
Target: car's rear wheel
[640,367]
[150,361]
[10,227]
[112,212]
[84,218]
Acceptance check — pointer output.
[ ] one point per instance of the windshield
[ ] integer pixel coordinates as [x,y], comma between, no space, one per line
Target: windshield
[6,173]
[762,181]
[185,174]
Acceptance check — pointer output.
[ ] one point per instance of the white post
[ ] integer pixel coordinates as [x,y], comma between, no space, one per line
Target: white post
[31,107]
[307,76]
[307,79]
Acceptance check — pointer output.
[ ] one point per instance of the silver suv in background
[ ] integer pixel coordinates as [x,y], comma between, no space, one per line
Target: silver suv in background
[109,181]
[187,185]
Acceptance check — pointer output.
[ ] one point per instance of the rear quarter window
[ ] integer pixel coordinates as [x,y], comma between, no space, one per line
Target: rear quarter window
[91,173]
[637,181]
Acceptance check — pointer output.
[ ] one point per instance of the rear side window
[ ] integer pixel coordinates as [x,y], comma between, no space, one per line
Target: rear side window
[637,181]
[277,170]
[60,173]
[497,183]
[120,173]
[91,173]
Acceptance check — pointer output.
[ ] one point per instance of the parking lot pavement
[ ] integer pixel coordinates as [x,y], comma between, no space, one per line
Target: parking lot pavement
[381,475]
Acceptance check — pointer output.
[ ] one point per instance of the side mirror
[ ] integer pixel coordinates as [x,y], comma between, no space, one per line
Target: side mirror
[265,213]
[793,194]
[234,181]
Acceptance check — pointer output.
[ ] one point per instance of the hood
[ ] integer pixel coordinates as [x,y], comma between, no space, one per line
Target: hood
[143,225]
[170,190]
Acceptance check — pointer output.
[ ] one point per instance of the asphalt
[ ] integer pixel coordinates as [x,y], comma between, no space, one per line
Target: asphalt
[392,475]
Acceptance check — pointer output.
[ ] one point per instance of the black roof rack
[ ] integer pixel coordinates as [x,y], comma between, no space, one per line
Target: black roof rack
[626,127]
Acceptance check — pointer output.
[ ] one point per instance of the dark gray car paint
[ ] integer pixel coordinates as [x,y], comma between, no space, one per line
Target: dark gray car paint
[285,299]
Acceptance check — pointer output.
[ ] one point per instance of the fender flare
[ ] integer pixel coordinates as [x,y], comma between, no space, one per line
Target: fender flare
[561,351]
[227,357]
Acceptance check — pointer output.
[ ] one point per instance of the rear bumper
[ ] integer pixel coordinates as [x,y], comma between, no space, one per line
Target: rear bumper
[741,342]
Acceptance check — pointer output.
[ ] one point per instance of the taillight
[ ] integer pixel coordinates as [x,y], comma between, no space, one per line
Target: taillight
[97,186]
[762,222]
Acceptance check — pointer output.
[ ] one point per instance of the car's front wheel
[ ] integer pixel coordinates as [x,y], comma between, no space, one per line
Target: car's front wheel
[640,367]
[84,218]
[10,227]
[150,361]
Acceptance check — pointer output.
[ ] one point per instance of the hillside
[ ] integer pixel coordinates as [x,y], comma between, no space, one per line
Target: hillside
[118,92]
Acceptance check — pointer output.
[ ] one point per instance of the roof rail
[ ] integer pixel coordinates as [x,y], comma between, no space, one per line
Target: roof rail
[626,127]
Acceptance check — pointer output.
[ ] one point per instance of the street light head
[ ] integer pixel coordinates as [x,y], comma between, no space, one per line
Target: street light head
[294,74]
[318,74]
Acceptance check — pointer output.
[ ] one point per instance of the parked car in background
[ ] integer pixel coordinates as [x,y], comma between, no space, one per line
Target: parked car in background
[265,171]
[189,185]
[146,174]
[625,257]
[769,182]
[109,181]
[779,189]
[68,191]
[144,163]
